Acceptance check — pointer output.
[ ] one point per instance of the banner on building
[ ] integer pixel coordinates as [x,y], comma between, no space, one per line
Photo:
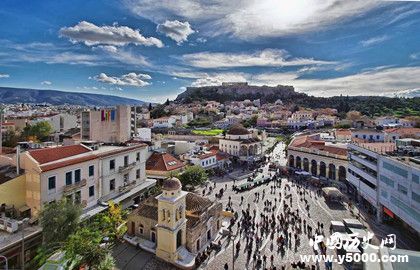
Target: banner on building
[108,115]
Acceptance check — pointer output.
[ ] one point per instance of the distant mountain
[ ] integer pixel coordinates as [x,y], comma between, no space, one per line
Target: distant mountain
[54,97]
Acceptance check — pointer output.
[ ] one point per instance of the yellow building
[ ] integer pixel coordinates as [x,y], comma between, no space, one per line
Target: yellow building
[176,225]
[12,189]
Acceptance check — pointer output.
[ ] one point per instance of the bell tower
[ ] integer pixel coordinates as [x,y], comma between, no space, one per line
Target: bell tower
[172,224]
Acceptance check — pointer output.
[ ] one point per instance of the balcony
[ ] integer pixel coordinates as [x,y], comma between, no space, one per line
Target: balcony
[127,168]
[363,173]
[363,161]
[127,186]
[70,188]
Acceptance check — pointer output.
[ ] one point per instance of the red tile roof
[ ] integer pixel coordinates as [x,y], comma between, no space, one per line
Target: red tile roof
[163,162]
[308,142]
[47,155]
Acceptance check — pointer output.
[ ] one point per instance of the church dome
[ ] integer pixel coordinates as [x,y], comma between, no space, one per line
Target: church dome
[238,130]
[171,184]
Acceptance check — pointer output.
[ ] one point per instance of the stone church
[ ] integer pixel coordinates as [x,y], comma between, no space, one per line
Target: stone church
[176,224]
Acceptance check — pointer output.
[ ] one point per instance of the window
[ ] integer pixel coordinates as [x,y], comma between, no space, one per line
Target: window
[138,156]
[69,198]
[395,169]
[77,176]
[387,181]
[112,164]
[126,176]
[138,174]
[78,197]
[51,182]
[69,178]
[416,179]
[377,137]
[415,196]
[126,161]
[402,189]
[91,170]
[91,191]
[384,194]
[112,184]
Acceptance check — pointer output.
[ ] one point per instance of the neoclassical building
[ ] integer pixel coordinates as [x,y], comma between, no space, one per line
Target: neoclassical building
[242,144]
[320,158]
[176,225]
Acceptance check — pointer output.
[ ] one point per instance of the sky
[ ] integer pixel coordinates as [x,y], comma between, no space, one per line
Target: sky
[152,50]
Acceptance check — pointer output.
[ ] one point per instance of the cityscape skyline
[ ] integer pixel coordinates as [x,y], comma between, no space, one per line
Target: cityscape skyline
[152,51]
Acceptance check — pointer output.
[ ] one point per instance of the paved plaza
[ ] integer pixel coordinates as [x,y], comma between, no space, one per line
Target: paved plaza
[309,209]
[282,193]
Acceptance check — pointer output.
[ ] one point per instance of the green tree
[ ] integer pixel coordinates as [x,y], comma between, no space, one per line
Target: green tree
[84,247]
[150,107]
[110,223]
[39,131]
[59,220]
[10,139]
[193,175]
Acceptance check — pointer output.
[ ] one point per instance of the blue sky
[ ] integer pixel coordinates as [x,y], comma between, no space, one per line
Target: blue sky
[151,50]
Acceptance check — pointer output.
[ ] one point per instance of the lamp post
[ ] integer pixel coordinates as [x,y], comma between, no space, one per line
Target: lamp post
[233,237]
[23,222]
[6,263]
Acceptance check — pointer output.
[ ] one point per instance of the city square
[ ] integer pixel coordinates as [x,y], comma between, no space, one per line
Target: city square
[278,193]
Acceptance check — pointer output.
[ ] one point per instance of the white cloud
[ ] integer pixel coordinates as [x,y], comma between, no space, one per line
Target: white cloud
[62,58]
[46,83]
[266,57]
[176,30]
[123,56]
[374,40]
[383,81]
[2,75]
[201,40]
[376,82]
[130,79]
[91,34]
[415,56]
[251,18]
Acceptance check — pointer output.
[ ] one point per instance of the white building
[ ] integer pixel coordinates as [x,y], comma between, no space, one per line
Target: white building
[206,160]
[164,122]
[240,143]
[85,176]
[144,134]
[370,135]
[388,185]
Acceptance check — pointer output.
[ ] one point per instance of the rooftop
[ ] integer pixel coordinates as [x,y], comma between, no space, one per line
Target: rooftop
[163,162]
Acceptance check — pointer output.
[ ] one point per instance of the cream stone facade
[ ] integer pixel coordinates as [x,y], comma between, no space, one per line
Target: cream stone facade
[317,157]
[241,143]
[176,225]
[108,125]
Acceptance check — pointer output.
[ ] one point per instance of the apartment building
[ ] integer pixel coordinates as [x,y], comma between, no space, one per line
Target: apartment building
[386,181]
[87,176]
[114,125]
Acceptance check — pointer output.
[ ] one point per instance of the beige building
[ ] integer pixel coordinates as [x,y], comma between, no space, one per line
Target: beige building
[176,225]
[113,125]
[242,144]
[321,159]
[85,176]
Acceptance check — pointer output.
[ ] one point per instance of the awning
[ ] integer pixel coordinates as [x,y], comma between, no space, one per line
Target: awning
[388,212]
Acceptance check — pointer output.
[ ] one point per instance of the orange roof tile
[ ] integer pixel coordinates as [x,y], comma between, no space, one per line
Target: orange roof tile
[47,155]
[163,162]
